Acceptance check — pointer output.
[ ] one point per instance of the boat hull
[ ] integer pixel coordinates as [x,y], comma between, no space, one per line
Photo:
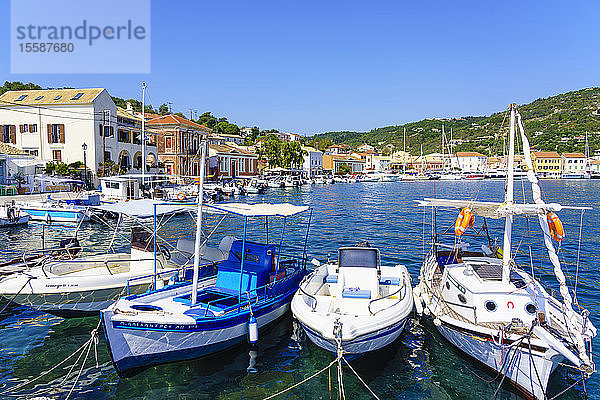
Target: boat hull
[528,371]
[371,341]
[135,346]
[22,220]
[55,216]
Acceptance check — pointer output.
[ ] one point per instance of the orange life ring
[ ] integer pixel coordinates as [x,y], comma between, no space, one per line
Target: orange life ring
[180,196]
[465,220]
[510,304]
[556,227]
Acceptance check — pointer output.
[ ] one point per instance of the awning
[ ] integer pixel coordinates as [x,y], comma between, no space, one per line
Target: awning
[143,208]
[58,181]
[260,209]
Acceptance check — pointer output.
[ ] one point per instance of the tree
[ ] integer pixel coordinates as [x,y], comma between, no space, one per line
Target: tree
[270,150]
[8,86]
[343,169]
[163,109]
[108,168]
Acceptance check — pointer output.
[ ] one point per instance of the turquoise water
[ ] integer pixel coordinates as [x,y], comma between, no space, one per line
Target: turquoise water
[420,365]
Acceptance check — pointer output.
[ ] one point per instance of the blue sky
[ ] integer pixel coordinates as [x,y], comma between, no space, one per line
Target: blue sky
[314,66]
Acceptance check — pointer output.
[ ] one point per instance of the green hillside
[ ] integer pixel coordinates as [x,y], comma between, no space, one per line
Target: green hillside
[554,123]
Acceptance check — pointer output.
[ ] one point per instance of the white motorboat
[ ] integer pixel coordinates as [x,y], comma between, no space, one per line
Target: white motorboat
[448,176]
[486,305]
[12,215]
[54,211]
[254,187]
[88,284]
[291,181]
[276,183]
[355,304]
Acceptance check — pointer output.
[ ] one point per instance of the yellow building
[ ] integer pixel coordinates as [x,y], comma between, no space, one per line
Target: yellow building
[547,164]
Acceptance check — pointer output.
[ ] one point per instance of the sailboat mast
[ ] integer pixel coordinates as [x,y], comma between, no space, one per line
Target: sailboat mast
[506,250]
[194,297]
[143,135]
[443,143]
[404,151]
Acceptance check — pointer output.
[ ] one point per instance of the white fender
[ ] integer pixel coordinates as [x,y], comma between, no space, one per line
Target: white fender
[418,303]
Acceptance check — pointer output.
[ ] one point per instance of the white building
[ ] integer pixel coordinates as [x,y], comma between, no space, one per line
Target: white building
[469,161]
[16,164]
[54,125]
[573,163]
[290,137]
[365,147]
[313,162]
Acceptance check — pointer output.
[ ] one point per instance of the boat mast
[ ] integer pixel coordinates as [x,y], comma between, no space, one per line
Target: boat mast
[143,135]
[587,155]
[508,200]
[404,152]
[443,158]
[198,224]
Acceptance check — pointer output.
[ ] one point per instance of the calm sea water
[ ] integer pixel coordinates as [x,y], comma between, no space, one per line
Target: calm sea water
[420,365]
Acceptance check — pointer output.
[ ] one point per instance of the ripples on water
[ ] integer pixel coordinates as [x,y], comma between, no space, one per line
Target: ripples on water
[421,365]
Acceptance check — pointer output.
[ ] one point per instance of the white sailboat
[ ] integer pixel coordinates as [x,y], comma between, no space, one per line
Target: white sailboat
[493,310]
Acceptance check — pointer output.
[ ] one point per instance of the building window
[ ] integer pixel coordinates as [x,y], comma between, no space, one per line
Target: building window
[168,142]
[32,152]
[124,136]
[32,128]
[56,155]
[224,165]
[169,169]
[77,96]
[24,128]
[107,156]
[57,97]
[21,97]
[9,134]
[39,97]
[56,133]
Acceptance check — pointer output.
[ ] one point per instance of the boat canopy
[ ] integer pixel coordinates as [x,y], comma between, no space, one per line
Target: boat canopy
[143,208]
[492,209]
[260,209]
[55,180]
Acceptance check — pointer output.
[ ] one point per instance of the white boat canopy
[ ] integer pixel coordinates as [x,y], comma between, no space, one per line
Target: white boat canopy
[143,208]
[491,209]
[260,209]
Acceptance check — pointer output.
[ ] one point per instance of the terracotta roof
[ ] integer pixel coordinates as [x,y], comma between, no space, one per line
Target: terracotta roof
[545,154]
[10,150]
[468,154]
[573,155]
[175,120]
[49,96]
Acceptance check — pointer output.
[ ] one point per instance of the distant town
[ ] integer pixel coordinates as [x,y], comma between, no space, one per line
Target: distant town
[83,133]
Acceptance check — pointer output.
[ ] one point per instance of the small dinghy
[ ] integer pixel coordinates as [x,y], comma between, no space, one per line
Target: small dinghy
[12,215]
[354,303]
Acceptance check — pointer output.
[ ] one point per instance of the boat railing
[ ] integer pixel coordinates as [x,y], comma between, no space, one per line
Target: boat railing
[147,276]
[400,298]
[314,299]
[247,294]
[48,264]
[474,308]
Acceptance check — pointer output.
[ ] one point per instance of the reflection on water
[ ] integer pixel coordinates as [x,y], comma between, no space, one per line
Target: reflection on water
[420,365]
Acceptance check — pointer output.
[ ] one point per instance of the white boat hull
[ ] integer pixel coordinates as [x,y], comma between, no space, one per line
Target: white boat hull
[374,340]
[519,367]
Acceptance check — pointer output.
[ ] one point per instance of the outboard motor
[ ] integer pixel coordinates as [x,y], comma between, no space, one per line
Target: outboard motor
[362,243]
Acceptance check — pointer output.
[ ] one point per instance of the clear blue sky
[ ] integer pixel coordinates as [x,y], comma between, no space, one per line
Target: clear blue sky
[314,66]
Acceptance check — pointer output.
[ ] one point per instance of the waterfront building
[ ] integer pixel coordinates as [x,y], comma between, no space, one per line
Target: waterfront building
[547,164]
[225,161]
[178,142]
[379,163]
[313,162]
[337,149]
[236,139]
[573,163]
[469,161]
[245,131]
[288,137]
[365,147]
[333,163]
[58,124]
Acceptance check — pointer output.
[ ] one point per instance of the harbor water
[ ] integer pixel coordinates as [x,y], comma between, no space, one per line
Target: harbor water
[420,365]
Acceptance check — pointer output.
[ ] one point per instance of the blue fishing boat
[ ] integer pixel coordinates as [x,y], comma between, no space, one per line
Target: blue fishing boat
[253,287]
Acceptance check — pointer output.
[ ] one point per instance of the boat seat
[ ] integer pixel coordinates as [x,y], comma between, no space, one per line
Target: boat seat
[355,293]
[330,279]
[389,280]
